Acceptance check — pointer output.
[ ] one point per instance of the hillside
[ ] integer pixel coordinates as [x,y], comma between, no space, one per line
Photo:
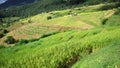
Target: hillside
[10,3]
[110,54]
[60,21]
[61,34]
[50,5]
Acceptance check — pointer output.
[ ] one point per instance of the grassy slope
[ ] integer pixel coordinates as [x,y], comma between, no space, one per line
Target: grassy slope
[61,21]
[114,20]
[58,50]
[62,49]
[32,9]
[107,57]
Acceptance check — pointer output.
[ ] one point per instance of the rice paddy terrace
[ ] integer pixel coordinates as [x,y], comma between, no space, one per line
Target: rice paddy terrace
[81,37]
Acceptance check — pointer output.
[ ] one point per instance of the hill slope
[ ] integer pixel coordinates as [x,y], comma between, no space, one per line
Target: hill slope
[46,6]
[104,58]
[60,21]
[59,50]
[10,3]
[58,38]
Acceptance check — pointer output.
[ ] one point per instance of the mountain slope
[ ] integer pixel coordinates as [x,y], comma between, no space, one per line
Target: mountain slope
[60,50]
[43,35]
[107,57]
[86,18]
[45,6]
[10,3]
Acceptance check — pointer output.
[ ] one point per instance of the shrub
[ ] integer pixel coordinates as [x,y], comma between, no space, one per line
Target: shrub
[5,31]
[1,35]
[104,21]
[49,34]
[1,46]
[10,40]
[110,6]
[117,11]
[49,17]
[32,40]
[23,41]
[29,21]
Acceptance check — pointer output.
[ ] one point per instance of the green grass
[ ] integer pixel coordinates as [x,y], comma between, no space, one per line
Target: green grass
[61,20]
[87,14]
[40,25]
[35,26]
[61,49]
[107,57]
[57,50]
[113,21]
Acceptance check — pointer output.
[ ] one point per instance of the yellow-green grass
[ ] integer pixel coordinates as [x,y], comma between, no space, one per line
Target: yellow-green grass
[65,19]
[107,57]
[35,26]
[40,25]
[93,18]
[58,50]
[33,31]
[113,20]
[43,16]
[82,20]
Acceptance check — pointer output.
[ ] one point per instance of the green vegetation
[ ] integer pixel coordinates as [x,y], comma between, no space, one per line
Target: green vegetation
[107,57]
[46,6]
[58,50]
[3,33]
[10,40]
[63,35]
[1,47]
[49,17]
[114,20]
[8,21]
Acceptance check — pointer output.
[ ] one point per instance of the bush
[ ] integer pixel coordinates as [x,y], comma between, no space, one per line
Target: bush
[1,46]
[5,31]
[104,21]
[49,17]
[32,40]
[1,35]
[117,11]
[29,21]
[110,6]
[49,34]
[10,40]
[23,41]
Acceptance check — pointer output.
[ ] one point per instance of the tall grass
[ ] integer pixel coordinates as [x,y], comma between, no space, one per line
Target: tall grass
[107,57]
[59,50]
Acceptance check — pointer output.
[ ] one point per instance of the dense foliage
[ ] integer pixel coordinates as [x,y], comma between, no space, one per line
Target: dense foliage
[45,6]
[10,40]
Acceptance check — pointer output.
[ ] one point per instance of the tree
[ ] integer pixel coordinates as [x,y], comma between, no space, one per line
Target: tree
[10,40]
[74,1]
